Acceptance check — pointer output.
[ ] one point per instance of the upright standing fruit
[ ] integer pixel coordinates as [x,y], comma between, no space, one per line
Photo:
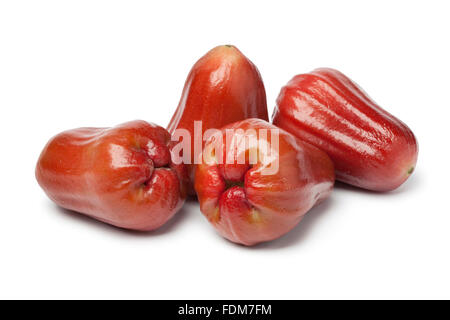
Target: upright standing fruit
[221,88]
[123,175]
[257,181]
[370,148]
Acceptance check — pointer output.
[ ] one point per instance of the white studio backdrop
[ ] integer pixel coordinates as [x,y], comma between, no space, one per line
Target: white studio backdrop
[66,64]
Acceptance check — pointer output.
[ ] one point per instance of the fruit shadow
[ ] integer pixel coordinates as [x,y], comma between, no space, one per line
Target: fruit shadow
[409,186]
[168,227]
[312,218]
[303,230]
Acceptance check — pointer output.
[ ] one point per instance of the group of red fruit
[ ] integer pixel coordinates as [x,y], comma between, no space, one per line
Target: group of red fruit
[328,127]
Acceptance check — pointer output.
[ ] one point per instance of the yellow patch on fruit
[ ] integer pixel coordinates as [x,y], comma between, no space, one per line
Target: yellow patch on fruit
[255,216]
[214,216]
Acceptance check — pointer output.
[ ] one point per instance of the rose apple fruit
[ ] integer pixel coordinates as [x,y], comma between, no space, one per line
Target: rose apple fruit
[123,175]
[255,187]
[222,87]
[370,148]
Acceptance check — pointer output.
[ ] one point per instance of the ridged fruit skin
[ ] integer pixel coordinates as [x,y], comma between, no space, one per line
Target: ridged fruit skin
[248,207]
[222,87]
[370,148]
[123,175]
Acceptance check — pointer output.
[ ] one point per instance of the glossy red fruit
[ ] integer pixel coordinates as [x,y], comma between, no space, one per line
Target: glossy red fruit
[123,175]
[221,88]
[370,148]
[248,202]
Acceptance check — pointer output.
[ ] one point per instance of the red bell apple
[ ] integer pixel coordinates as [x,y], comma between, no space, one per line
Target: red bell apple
[256,182]
[370,148]
[123,175]
[222,87]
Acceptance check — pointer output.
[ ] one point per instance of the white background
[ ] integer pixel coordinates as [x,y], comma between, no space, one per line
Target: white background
[66,64]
